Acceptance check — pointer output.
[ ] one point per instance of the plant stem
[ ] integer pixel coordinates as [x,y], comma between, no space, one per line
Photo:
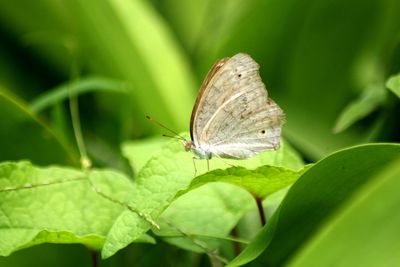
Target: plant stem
[76,124]
[93,255]
[235,244]
[260,210]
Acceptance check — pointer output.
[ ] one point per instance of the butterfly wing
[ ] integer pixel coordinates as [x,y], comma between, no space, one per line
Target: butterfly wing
[233,117]
[198,119]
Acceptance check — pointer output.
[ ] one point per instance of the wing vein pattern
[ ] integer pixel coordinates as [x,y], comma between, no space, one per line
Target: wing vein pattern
[234,117]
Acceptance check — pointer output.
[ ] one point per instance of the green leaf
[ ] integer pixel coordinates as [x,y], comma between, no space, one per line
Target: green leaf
[23,135]
[200,27]
[202,219]
[315,198]
[83,85]
[258,244]
[204,214]
[364,231]
[121,39]
[169,171]
[368,101]
[135,44]
[58,205]
[394,84]
[140,151]
[260,182]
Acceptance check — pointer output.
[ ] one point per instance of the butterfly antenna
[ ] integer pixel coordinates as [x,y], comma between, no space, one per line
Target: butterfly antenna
[165,127]
[174,137]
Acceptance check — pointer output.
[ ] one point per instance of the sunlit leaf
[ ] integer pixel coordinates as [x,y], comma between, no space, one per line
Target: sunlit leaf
[353,233]
[369,100]
[394,84]
[169,171]
[260,182]
[58,205]
[315,200]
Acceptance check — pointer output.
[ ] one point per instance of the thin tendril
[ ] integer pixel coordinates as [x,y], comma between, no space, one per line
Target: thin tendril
[76,124]
[200,244]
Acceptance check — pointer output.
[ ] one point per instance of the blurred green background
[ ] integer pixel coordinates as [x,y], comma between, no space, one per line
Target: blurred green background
[325,62]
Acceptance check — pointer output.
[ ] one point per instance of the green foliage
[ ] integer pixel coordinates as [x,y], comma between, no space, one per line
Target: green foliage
[394,84]
[155,191]
[261,182]
[129,209]
[85,85]
[372,206]
[332,186]
[65,209]
[16,122]
[369,101]
[333,66]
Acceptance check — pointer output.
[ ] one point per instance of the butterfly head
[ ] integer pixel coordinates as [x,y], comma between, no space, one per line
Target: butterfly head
[198,151]
[188,145]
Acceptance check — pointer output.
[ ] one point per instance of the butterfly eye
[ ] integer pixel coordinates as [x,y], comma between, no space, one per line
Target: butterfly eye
[239,75]
[263,131]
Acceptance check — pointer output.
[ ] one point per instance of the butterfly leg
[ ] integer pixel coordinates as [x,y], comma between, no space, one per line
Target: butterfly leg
[227,163]
[276,147]
[194,165]
[208,165]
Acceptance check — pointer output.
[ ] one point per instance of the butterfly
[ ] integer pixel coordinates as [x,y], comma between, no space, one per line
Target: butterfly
[233,117]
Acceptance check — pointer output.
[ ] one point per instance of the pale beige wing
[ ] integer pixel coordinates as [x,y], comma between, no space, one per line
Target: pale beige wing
[197,122]
[248,133]
[235,118]
[223,80]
